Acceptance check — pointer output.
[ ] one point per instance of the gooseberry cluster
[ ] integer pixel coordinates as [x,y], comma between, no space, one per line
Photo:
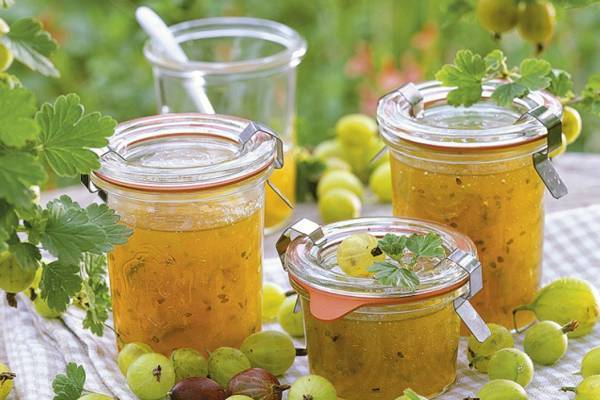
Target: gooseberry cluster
[279,305]
[566,308]
[535,20]
[247,372]
[349,164]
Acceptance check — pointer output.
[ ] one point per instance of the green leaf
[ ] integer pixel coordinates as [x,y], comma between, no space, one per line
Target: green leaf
[60,281]
[7,3]
[534,73]
[97,298]
[19,171]
[27,254]
[107,220]
[561,83]
[68,135]
[591,94]
[17,107]
[309,171]
[69,232]
[495,63]
[466,75]
[389,274]
[507,92]
[574,3]
[392,245]
[69,386]
[412,395]
[8,223]
[31,45]
[429,245]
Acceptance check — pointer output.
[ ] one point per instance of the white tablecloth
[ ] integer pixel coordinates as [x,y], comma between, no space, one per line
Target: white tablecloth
[37,349]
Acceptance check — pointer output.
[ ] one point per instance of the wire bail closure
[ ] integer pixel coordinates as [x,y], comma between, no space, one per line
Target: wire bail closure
[542,164]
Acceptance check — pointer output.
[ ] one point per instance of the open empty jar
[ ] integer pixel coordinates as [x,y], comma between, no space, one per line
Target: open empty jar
[191,187]
[481,170]
[370,340]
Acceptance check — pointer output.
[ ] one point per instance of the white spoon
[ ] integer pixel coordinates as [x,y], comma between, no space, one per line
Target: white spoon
[159,33]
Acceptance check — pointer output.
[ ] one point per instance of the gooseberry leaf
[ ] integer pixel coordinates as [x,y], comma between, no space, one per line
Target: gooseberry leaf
[97,298]
[27,254]
[8,223]
[534,73]
[17,108]
[429,245]
[31,45]
[106,218]
[390,274]
[495,62]
[69,386]
[68,135]
[60,281]
[507,92]
[591,94]
[466,75]
[392,245]
[19,171]
[561,83]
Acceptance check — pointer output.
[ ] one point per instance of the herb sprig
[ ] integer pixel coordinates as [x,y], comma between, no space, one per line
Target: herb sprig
[59,137]
[471,71]
[403,253]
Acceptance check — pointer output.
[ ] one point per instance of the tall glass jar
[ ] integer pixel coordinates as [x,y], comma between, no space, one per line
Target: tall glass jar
[472,168]
[191,187]
[245,67]
[373,341]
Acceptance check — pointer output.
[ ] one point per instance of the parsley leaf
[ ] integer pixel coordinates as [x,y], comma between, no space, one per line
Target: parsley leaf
[561,83]
[390,274]
[68,135]
[392,245]
[466,75]
[31,45]
[17,107]
[69,232]
[95,293]
[60,281]
[429,245]
[69,386]
[18,172]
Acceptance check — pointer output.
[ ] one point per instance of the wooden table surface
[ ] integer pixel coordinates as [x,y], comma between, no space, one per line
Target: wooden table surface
[581,173]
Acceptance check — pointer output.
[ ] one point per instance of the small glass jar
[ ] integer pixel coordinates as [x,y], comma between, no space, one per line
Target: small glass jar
[191,187]
[472,168]
[244,67]
[374,341]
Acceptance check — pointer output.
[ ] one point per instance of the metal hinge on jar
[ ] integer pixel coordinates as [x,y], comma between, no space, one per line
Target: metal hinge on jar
[249,131]
[462,305]
[414,98]
[542,164]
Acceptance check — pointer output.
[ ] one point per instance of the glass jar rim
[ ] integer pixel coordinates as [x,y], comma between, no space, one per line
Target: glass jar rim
[398,124]
[183,153]
[304,261]
[294,45]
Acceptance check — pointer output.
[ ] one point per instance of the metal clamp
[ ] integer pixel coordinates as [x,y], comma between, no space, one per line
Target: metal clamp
[414,97]
[542,164]
[252,129]
[303,227]
[89,185]
[462,305]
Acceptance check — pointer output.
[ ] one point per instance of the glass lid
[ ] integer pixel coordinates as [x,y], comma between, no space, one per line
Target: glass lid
[313,265]
[186,152]
[485,125]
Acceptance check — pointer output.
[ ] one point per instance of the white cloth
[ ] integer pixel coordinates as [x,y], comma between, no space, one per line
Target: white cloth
[37,349]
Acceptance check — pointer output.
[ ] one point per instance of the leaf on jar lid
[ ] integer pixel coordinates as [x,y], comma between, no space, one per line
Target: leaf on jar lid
[391,274]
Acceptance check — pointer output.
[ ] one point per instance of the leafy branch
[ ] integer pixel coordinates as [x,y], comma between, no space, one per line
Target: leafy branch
[403,253]
[471,71]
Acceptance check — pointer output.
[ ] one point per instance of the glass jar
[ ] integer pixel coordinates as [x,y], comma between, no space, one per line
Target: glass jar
[385,338]
[244,67]
[471,168]
[191,187]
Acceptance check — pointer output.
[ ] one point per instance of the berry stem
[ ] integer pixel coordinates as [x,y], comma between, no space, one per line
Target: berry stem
[11,298]
[290,293]
[570,327]
[7,376]
[301,352]
[568,389]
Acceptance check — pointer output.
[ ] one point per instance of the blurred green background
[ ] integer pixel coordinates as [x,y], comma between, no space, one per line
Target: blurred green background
[358,50]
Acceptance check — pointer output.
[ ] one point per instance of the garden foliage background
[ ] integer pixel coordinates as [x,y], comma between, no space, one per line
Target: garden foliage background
[358,50]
